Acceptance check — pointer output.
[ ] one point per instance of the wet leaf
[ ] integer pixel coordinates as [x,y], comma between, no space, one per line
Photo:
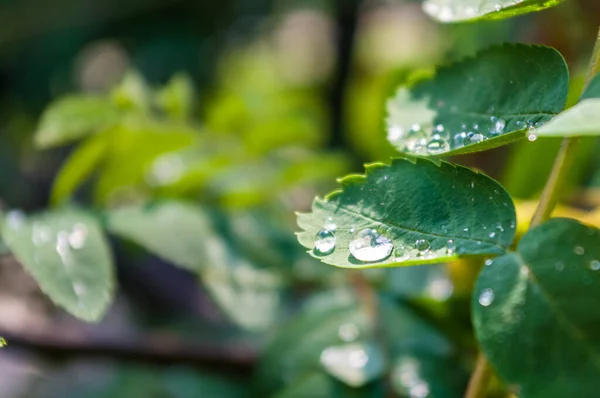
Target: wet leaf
[67,254]
[469,10]
[479,103]
[74,117]
[534,311]
[409,213]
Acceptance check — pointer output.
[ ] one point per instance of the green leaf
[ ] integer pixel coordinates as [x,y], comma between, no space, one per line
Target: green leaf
[535,311]
[67,254]
[580,120]
[132,93]
[80,164]
[470,10]
[479,103]
[177,97]
[74,117]
[173,230]
[429,213]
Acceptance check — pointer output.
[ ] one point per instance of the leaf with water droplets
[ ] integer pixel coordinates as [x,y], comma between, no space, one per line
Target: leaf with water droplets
[479,103]
[67,254]
[71,118]
[470,10]
[581,120]
[535,312]
[411,213]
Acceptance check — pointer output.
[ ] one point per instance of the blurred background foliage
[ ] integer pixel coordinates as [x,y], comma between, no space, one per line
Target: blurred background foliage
[245,110]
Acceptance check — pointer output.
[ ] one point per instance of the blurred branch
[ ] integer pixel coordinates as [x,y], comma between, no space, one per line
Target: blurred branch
[229,360]
[346,22]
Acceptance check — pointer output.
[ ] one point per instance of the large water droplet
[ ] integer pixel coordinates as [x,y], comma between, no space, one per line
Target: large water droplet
[368,246]
[486,298]
[422,245]
[475,138]
[348,332]
[436,145]
[324,242]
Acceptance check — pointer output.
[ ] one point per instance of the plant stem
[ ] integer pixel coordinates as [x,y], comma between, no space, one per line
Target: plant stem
[480,379]
[565,157]
[483,373]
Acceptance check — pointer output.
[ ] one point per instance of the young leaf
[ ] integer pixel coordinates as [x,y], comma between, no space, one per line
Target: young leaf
[409,213]
[67,254]
[172,230]
[581,120]
[535,315]
[78,167]
[469,10]
[479,103]
[177,97]
[71,118]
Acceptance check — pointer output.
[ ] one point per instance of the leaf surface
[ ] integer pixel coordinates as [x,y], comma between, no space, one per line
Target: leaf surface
[535,312]
[66,252]
[479,103]
[469,10]
[429,213]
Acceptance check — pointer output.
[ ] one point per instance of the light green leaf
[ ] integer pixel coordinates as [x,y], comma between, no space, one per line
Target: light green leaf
[535,312]
[581,120]
[82,162]
[74,117]
[416,213]
[469,10]
[67,254]
[479,103]
[173,230]
[177,97]
[132,93]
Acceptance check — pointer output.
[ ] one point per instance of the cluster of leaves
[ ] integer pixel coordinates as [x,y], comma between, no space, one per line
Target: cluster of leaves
[531,303]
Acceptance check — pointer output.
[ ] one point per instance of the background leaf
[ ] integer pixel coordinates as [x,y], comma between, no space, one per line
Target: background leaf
[72,118]
[534,311]
[427,213]
[67,254]
[479,103]
[468,10]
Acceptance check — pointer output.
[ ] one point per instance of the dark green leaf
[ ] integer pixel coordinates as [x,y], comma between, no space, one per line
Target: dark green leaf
[415,213]
[469,10]
[581,120]
[175,231]
[535,315]
[72,118]
[479,103]
[66,252]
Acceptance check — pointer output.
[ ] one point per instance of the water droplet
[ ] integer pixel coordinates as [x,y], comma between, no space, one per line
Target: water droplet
[348,332]
[475,138]
[422,245]
[439,128]
[580,251]
[368,246]
[352,230]
[595,265]
[559,266]
[497,7]
[15,219]
[532,136]
[415,127]
[395,133]
[488,262]
[437,145]
[40,234]
[492,235]
[459,140]
[401,255]
[521,125]
[512,225]
[499,227]
[466,229]
[324,242]
[440,287]
[77,236]
[450,247]
[330,225]
[486,298]
[358,359]
[497,125]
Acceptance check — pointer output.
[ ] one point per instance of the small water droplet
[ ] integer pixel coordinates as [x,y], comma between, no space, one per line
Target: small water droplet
[422,245]
[532,136]
[368,245]
[486,298]
[580,251]
[559,266]
[512,225]
[595,265]
[489,262]
[324,242]
[401,255]
[499,227]
[78,236]
[436,145]
[492,235]
[459,140]
[15,219]
[352,230]
[497,7]
[521,125]
[395,133]
[450,247]
[439,128]
[466,229]
[416,127]
[348,332]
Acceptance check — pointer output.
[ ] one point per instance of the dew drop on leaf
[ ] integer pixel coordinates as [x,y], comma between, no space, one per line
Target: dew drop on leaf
[348,332]
[15,219]
[324,242]
[580,251]
[330,225]
[476,138]
[559,266]
[436,145]
[595,265]
[368,246]
[488,262]
[422,245]
[486,298]
[450,247]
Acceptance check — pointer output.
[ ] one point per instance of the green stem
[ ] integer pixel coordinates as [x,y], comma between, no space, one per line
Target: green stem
[483,374]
